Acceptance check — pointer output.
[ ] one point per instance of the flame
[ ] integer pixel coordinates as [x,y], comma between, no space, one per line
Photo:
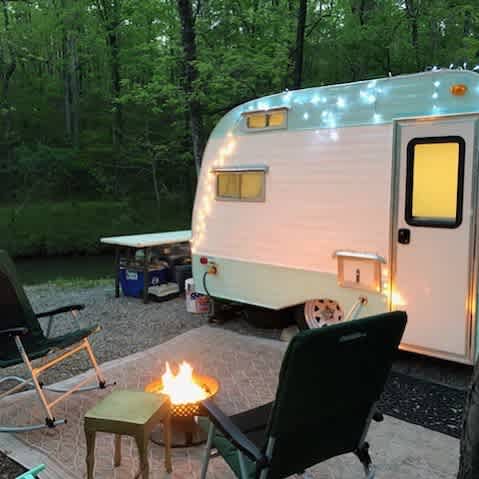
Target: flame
[181,387]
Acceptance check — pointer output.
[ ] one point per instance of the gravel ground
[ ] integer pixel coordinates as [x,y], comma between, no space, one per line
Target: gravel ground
[8,468]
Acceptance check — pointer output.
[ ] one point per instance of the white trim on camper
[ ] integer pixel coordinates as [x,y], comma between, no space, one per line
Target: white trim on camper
[239,169]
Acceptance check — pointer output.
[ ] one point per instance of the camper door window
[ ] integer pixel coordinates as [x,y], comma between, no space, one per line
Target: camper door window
[240,186]
[434,181]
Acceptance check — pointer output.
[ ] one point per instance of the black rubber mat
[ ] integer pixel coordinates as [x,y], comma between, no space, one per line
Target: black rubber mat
[427,404]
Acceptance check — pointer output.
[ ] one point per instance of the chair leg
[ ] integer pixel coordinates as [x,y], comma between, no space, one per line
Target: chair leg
[209,444]
[91,355]
[50,420]
[362,453]
[142,444]
[117,450]
[244,472]
[90,453]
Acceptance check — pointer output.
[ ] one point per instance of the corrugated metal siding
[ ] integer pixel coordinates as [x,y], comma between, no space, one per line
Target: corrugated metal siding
[325,190]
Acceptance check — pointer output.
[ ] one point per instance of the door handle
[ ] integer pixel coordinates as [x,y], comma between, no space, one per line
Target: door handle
[404,236]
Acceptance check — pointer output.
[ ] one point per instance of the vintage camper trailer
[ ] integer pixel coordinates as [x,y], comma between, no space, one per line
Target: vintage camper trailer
[360,196]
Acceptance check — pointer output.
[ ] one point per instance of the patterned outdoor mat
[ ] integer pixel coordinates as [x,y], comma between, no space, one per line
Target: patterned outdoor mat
[247,369]
[427,404]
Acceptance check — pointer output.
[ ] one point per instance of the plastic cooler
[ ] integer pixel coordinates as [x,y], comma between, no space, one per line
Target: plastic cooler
[132,280]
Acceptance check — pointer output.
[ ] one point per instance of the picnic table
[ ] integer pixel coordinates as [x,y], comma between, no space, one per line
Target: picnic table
[144,242]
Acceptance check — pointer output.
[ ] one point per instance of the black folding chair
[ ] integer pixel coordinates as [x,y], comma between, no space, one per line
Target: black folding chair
[330,381]
[22,340]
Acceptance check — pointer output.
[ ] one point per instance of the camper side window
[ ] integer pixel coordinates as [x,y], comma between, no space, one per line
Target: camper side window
[434,181]
[240,185]
[273,119]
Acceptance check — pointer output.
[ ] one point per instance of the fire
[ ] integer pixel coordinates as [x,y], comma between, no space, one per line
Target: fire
[181,387]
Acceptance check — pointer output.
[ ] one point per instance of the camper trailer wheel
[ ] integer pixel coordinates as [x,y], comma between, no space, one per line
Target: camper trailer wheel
[317,313]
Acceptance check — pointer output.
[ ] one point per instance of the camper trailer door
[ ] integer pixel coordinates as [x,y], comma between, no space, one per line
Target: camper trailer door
[432,234]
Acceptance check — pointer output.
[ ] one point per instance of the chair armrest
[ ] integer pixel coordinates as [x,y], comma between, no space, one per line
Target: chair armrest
[14,332]
[63,309]
[233,433]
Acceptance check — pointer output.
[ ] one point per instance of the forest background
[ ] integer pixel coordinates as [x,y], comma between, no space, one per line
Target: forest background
[106,105]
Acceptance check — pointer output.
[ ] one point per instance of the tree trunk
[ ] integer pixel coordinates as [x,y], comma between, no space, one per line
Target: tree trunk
[298,52]
[412,12]
[188,38]
[110,14]
[8,61]
[75,92]
[155,180]
[469,458]
[70,74]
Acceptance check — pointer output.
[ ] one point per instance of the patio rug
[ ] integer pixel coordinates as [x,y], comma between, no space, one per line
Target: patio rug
[428,404]
[247,369]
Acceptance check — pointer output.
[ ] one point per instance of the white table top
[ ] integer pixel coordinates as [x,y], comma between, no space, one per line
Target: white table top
[147,240]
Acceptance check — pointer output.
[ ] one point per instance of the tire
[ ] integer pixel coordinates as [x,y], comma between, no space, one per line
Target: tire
[317,313]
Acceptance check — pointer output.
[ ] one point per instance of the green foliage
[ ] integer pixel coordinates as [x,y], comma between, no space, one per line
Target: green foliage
[75,227]
[61,112]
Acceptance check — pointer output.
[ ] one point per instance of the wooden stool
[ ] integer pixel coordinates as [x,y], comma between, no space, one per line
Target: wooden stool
[129,413]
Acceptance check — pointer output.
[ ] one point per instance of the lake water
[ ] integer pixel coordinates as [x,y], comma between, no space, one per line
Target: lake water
[43,269]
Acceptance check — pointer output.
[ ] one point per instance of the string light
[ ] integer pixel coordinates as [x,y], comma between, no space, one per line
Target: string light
[306,116]
[341,103]
[199,226]
[377,118]
[315,100]
[437,83]
[435,95]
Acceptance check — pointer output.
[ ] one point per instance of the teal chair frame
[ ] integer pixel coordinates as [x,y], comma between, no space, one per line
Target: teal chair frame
[32,473]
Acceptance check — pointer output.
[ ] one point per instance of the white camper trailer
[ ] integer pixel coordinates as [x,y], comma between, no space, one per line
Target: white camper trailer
[362,195]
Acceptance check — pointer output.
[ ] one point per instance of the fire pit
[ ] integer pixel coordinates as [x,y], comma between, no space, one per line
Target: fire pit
[186,389]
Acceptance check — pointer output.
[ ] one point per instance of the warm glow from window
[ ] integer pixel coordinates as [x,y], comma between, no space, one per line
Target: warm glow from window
[252,184]
[435,181]
[241,185]
[266,119]
[228,185]
[277,118]
[256,120]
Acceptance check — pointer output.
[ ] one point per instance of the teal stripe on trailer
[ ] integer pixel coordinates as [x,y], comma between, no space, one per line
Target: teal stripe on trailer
[364,103]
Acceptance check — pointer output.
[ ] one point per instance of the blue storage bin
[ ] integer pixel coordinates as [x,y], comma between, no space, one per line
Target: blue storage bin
[132,280]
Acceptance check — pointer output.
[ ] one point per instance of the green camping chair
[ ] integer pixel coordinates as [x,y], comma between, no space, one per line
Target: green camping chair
[22,340]
[330,381]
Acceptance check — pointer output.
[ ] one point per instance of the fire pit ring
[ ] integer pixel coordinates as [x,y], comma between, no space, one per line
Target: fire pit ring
[185,430]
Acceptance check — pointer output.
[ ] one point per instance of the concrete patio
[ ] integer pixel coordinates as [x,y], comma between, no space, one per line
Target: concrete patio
[247,369]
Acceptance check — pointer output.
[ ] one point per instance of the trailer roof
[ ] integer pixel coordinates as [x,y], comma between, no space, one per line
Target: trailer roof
[368,102]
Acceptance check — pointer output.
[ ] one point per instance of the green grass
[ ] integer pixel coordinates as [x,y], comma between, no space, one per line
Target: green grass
[80,283]
[63,228]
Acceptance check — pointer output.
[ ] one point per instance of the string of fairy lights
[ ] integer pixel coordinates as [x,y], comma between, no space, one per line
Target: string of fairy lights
[333,108]
[208,195]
